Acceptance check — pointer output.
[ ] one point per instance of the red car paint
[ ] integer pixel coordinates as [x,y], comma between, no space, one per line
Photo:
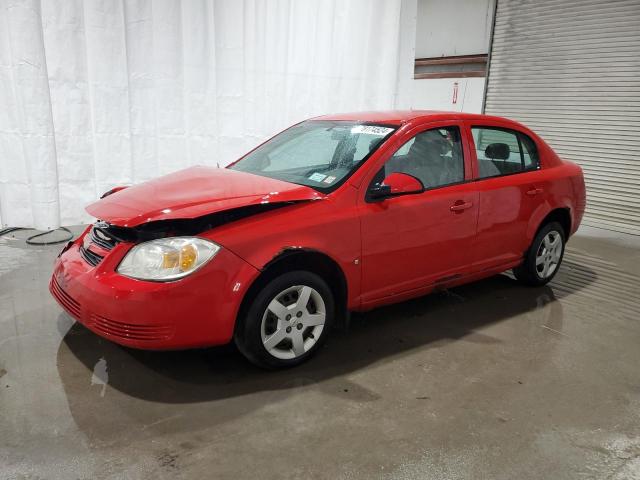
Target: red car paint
[387,251]
[194,192]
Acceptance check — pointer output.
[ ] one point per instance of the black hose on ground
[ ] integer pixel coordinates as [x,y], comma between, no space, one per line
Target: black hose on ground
[30,241]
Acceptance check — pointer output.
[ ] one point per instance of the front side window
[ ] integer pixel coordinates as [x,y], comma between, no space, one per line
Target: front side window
[434,157]
[503,152]
[319,154]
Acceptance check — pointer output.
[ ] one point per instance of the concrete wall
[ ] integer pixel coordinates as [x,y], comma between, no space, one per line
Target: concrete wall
[453,27]
[447,28]
[440,94]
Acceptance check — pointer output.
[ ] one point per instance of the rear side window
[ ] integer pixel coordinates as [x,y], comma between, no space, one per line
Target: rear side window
[503,152]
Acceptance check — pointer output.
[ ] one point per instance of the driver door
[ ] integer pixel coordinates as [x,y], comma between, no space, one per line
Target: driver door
[417,241]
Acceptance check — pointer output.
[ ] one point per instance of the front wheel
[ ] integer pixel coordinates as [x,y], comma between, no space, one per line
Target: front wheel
[286,321]
[543,259]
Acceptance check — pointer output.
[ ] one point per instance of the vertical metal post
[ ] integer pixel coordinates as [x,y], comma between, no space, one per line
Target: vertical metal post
[486,77]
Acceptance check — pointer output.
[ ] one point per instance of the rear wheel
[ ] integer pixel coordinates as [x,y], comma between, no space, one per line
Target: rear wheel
[286,321]
[544,257]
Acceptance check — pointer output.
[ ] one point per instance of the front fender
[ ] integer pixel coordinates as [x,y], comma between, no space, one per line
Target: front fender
[327,227]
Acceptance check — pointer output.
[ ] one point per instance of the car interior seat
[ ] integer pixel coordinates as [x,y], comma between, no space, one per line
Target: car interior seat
[433,160]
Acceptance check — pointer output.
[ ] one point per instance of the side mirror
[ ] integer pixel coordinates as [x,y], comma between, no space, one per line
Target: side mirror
[396,184]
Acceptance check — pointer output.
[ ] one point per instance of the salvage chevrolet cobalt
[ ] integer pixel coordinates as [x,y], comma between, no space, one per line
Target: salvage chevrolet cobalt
[335,214]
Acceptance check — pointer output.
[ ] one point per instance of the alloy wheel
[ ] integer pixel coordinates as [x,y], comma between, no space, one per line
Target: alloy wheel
[293,322]
[549,254]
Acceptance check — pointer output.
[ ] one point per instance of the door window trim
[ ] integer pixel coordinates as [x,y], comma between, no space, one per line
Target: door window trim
[460,127]
[518,134]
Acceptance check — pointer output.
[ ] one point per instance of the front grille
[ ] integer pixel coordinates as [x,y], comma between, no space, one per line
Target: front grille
[101,237]
[90,257]
[131,332]
[67,302]
[98,235]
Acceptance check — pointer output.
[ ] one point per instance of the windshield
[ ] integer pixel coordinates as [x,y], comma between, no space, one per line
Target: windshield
[319,154]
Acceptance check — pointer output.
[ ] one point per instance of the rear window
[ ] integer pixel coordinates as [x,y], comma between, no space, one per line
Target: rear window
[503,152]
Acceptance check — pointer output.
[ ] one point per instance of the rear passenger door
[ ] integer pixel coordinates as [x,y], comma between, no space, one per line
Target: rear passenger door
[510,191]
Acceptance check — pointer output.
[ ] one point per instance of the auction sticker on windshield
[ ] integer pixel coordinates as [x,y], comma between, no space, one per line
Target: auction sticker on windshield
[371,130]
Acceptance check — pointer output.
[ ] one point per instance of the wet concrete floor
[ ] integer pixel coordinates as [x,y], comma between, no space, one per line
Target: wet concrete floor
[489,380]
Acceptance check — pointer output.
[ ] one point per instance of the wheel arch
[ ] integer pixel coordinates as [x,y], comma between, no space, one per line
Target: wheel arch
[299,258]
[561,215]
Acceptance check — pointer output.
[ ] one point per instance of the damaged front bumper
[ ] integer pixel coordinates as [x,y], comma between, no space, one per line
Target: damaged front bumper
[196,311]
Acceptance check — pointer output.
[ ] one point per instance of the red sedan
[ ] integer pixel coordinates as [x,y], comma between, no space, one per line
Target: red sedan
[335,214]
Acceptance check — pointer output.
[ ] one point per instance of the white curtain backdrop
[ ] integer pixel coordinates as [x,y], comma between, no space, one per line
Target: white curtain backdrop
[98,93]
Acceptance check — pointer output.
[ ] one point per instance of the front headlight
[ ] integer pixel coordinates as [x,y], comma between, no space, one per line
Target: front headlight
[167,258]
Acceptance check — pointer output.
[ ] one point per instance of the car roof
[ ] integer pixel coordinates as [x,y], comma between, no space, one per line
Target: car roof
[398,117]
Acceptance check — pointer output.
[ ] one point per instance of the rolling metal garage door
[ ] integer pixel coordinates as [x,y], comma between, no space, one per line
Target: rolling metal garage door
[570,70]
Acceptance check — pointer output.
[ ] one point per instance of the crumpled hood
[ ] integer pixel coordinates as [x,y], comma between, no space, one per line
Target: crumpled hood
[195,192]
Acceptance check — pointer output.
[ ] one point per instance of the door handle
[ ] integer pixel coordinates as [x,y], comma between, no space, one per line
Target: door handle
[534,191]
[460,206]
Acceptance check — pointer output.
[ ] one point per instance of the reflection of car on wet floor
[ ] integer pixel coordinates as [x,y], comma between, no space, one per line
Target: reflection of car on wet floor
[335,214]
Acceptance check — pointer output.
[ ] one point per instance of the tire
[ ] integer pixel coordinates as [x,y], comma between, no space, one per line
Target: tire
[277,332]
[542,260]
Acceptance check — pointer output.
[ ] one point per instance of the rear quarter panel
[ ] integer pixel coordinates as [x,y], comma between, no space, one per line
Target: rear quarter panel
[561,190]
[564,186]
